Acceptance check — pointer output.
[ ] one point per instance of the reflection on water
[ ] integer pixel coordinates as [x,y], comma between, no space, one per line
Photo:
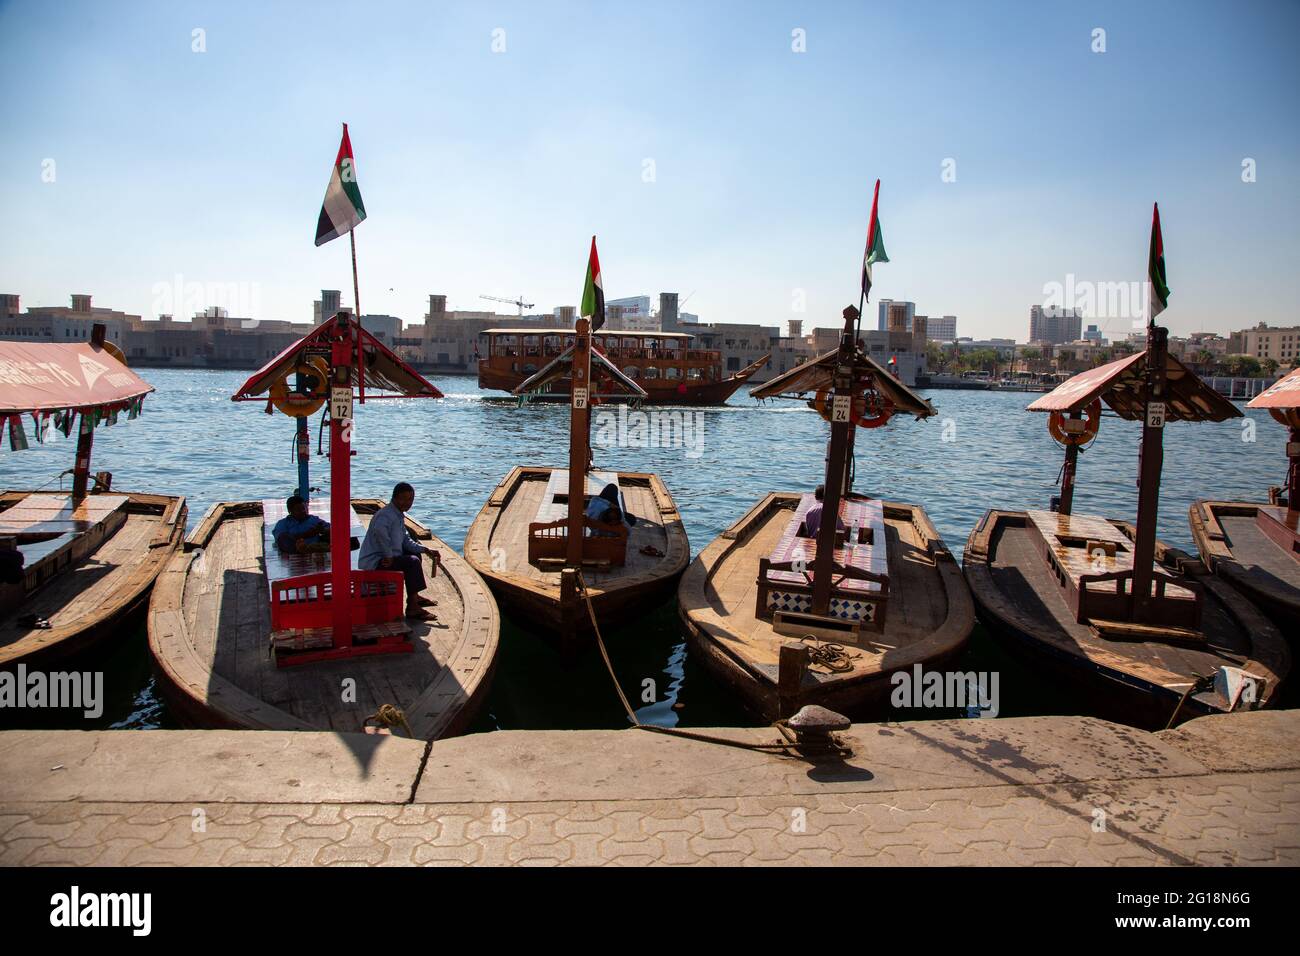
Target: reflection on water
[982,450]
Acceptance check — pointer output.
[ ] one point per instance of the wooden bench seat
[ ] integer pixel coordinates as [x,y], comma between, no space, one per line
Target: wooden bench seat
[548,532]
[554,505]
[53,535]
[1093,561]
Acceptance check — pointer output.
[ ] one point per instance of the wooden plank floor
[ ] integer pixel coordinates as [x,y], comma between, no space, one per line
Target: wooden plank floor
[75,597]
[227,619]
[1020,572]
[1259,558]
[918,601]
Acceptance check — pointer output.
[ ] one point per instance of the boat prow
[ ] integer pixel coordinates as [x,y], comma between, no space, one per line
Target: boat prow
[210,636]
[540,592]
[923,615]
[1235,543]
[86,568]
[1136,673]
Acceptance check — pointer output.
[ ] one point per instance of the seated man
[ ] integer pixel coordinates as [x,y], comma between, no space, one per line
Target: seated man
[608,498]
[300,532]
[390,547]
[812,519]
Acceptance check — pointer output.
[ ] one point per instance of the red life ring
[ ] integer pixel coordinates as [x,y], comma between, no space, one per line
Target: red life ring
[1076,434]
[882,413]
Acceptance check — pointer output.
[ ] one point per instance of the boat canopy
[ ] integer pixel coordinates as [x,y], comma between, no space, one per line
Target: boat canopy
[1122,385]
[819,374]
[558,368]
[384,371]
[49,377]
[1284,393]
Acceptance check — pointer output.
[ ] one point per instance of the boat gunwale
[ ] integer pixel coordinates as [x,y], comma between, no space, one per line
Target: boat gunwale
[1212,543]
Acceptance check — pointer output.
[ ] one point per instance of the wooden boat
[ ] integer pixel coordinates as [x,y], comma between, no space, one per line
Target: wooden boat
[761,601]
[1256,546]
[532,540]
[662,363]
[245,636]
[77,562]
[1139,628]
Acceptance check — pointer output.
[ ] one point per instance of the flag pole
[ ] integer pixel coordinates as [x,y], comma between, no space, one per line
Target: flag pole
[356,302]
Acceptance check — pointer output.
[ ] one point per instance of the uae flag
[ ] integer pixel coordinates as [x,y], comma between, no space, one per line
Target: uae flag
[593,293]
[342,209]
[875,243]
[1158,287]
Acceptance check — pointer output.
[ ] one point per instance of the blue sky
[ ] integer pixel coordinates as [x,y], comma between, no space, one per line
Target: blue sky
[487,172]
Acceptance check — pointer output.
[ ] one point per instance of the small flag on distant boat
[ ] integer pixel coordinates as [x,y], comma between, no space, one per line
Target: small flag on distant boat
[342,210]
[593,292]
[1158,289]
[875,243]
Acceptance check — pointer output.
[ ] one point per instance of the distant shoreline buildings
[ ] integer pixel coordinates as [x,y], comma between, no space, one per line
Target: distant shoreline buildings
[447,341]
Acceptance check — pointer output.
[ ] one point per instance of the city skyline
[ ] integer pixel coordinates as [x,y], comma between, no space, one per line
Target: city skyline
[713,158]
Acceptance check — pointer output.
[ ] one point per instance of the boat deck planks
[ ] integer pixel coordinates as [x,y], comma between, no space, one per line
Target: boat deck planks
[218,656]
[83,601]
[1234,547]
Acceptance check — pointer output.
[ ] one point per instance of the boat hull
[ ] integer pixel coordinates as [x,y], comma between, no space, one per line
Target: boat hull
[119,575]
[1134,682]
[930,618]
[1233,547]
[496,547]
[209,630]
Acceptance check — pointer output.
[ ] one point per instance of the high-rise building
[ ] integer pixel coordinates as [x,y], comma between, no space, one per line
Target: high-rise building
[939,328]
[1054,325]
[909,310]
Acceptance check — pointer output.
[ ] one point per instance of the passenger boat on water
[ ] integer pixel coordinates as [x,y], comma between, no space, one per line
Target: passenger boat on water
[662,363]
[1144,630]
[74,564]
[790,615]
[533,541]
[1256,546]
[244,635]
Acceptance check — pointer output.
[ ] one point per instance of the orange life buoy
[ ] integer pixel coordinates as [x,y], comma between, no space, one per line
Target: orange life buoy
[863,416]
[1076,431]
[307,400]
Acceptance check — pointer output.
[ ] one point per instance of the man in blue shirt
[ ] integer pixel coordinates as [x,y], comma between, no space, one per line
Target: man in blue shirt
[299,531]
[389,546]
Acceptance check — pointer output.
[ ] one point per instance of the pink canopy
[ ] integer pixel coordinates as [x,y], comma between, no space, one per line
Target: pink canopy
[45,377]
[1284,393]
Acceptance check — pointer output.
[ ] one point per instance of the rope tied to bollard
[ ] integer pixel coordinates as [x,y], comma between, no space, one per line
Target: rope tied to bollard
[790,747]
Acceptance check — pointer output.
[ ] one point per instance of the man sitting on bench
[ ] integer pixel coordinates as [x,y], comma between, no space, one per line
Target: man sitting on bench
[390,547]
[812,519]
[300,532]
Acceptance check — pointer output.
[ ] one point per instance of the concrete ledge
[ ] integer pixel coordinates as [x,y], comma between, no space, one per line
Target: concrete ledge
[1259,740]
[206,766]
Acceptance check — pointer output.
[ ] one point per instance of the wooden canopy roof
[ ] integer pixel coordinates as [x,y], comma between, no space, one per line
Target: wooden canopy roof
[385,373]
[558,368]
[51,376]
[601,332]
[1122,385]
[1284,393]
[819,374]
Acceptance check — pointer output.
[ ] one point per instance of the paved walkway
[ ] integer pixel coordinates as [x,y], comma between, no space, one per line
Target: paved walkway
[1042,790]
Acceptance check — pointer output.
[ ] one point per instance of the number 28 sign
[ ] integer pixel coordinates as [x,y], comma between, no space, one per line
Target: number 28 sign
[1155,415]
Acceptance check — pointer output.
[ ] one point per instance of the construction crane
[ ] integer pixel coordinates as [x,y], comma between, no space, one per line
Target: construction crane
[516,302]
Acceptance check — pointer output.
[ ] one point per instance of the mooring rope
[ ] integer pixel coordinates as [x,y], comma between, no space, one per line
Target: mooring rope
[788,748]
[1202,682]
[389,716]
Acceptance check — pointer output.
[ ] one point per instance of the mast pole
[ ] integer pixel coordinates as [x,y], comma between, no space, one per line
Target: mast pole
[841,425]
[579,445]
[1293,475]
[356,302]
[86,432]
[342,350]
[1149,468]
[1067,476]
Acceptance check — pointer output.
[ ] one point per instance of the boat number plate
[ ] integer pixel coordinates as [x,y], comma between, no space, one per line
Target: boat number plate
[841,408]
[579,398]
[1156,415]
[341,404]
